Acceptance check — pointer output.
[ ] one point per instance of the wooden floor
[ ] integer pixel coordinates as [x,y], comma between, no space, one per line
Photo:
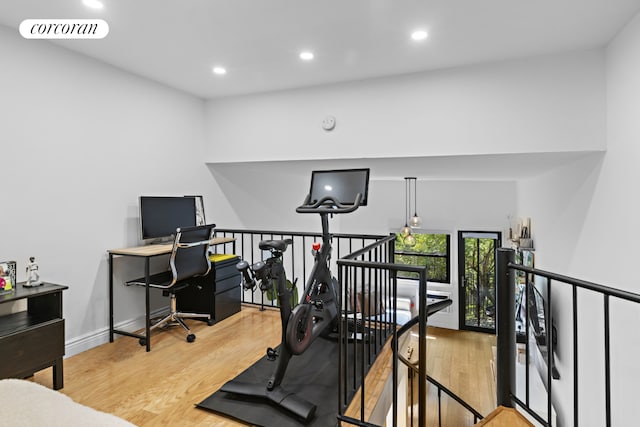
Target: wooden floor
[161,387]
[459,360]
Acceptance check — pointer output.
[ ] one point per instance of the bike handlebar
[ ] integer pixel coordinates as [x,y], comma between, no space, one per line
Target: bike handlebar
[328,205]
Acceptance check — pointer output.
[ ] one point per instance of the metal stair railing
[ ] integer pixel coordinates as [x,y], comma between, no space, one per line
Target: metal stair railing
[370,267]
[298,258]
[506,347]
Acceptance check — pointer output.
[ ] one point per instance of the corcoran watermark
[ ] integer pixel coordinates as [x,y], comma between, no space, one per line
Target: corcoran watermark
[64,28]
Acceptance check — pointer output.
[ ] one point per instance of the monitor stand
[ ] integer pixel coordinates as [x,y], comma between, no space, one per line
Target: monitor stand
[159,241]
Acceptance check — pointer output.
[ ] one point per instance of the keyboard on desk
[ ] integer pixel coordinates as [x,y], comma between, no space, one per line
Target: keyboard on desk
[158,280]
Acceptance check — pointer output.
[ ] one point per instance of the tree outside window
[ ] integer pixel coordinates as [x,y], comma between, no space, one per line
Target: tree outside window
[431,250]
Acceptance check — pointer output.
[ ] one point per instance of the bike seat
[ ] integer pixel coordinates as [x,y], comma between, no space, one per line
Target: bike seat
[278,245]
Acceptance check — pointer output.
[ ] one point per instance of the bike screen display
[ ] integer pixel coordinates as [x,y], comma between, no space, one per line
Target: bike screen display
[341,185]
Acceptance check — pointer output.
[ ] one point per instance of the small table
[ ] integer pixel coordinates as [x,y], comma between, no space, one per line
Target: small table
[33,339]
[147,252]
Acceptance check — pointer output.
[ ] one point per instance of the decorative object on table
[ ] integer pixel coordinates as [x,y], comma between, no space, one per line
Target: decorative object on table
[526,242]
[521,238]
[7,276]
[33,276]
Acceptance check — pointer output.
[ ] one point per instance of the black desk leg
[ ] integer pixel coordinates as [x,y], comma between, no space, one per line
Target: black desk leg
[147,309]
[58,377]
[110,297]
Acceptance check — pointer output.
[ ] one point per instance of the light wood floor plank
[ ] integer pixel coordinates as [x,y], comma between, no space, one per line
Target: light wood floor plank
[161,387]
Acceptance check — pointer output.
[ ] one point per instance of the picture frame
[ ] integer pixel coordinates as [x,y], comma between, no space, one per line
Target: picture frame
[526,258]
[8,281]
[528,261]
[200,216]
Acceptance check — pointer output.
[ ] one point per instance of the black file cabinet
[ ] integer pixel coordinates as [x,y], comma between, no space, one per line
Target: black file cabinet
[217,294]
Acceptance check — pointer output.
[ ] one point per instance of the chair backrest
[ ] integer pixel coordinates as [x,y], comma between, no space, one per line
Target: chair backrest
[190,253]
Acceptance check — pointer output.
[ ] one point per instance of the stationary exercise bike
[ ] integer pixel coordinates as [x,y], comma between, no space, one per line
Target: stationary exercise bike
[318,310]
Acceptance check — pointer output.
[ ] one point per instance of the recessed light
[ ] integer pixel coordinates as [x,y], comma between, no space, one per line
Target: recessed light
[93,4]
[307,56]
[219,71]
[419,35]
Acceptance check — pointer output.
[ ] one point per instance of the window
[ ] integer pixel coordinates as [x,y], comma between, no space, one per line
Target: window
[431,250]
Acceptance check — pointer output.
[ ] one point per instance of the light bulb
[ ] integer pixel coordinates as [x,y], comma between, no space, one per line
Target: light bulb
[416,221]
[410,240]
[405,231]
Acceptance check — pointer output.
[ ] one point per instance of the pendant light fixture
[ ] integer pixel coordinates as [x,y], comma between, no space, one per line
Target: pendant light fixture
[415,221]
[405,232]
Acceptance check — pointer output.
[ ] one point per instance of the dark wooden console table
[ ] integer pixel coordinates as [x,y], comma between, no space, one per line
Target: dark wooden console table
[33,339]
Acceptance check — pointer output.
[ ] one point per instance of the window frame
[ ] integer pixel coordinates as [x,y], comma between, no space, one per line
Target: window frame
[439,255]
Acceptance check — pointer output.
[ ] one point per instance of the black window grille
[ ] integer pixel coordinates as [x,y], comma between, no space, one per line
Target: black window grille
[432,250]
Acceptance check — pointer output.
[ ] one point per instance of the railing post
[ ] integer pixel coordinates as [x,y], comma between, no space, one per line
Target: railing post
[422,350]
[506,331]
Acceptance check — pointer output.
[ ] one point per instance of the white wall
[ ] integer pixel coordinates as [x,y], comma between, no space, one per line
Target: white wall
[584,215]
[265,195]
[80,142]
[545,104]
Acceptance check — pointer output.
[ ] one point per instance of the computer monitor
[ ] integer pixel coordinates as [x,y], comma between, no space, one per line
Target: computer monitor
[161,216]
[343,185]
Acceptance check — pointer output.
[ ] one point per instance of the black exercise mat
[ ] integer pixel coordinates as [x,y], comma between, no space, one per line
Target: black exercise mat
[312,375]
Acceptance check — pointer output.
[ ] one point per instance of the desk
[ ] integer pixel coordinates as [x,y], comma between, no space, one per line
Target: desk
[33,339]
[147,252]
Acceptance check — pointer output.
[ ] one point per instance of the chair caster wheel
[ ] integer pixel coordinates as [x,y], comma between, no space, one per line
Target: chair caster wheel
[142,341]
[272,354]
[210,322]
[191,338]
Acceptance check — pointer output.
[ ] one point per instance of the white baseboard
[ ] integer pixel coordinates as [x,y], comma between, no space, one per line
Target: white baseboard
[88,341]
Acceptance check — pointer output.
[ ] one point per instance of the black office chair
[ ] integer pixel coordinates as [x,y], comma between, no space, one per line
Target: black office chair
[189,259]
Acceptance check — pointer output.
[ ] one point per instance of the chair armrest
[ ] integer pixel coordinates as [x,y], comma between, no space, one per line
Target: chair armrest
[193,244]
